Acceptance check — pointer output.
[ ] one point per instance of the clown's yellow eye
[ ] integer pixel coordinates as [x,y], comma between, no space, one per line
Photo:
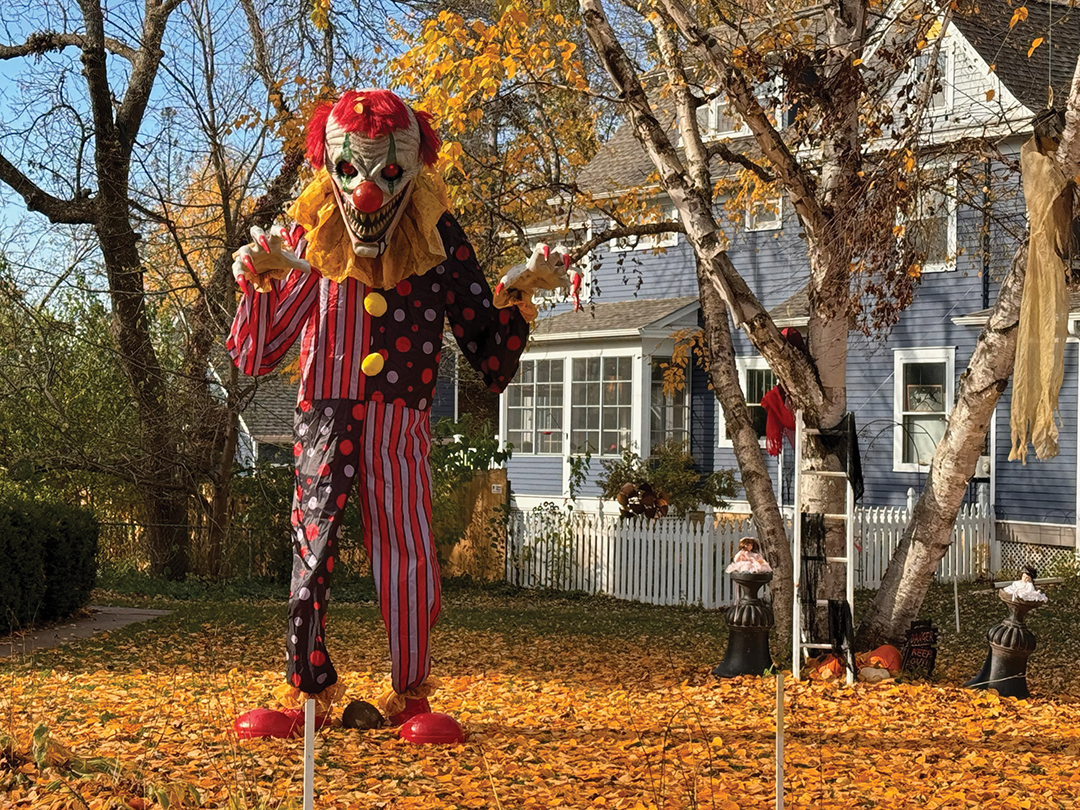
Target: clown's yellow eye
[392,172]
[346,169]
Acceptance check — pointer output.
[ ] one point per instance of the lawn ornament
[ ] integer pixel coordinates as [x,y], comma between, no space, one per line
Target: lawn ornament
[365,279]
[432,728]
[750,618]
[361,714]
[1011,641]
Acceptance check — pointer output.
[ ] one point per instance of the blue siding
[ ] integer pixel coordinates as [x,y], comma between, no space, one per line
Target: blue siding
[535,475]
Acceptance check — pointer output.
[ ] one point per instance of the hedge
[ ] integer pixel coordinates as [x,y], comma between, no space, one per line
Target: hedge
[48,562]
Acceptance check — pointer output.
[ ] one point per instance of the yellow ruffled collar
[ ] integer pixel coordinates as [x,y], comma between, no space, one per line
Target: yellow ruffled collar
[415,245]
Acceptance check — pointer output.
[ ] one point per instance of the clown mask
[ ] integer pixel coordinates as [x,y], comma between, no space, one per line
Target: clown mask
[373,146]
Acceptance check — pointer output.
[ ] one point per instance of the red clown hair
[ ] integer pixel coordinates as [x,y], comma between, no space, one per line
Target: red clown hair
[380,113]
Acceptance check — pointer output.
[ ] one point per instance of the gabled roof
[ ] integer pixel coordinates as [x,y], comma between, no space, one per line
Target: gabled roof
[981,316]
[1057,24]
[615,319]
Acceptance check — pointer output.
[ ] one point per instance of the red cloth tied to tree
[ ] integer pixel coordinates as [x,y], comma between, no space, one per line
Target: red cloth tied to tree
[779,420]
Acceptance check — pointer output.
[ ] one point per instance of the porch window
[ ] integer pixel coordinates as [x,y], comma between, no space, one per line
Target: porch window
[923,392]
[534,407]
[765,215]
[601,405]
[669,414]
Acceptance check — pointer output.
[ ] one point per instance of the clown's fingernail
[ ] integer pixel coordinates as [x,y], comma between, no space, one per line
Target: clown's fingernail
[249,264]
[498,288]
[566,261]
[547,251]
[263,243]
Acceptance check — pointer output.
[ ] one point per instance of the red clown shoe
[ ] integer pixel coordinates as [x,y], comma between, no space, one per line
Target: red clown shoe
[433,728]
[262,723]
[413,707]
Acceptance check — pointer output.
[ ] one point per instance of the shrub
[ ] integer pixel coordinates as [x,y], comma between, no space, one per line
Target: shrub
[48,561]
[670,475]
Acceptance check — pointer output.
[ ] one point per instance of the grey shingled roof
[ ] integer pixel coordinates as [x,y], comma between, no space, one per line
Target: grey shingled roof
[987,29]
[613,316]
[794,309]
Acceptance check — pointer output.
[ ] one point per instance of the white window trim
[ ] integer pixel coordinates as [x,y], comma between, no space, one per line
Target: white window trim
[901,357]
[721,100]
[648,241]
[504,431]
[947,77]
[771,226]
[742,364]
[950,234]
[646,416]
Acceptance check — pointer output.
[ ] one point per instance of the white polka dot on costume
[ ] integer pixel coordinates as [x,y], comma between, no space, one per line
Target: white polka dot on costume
[302,430]
[399,315]
[322,678]
[471,346]
[297,621]
[429,347]
[487,303]
[430,314]
[303,593]
[349,470]
[435,287]
[391,376]
[328,411]
[294,639]
[440,269]
[498,339]
[312,503]
[422,403]
[475,288]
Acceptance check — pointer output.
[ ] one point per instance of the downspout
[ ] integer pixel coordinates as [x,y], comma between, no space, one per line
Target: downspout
[986,236]
[1074,331]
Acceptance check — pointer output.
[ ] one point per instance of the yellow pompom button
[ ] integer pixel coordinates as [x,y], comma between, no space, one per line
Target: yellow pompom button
[372,364]
[375,305]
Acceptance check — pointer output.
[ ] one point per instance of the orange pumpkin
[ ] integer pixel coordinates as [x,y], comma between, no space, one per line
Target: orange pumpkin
[887,657]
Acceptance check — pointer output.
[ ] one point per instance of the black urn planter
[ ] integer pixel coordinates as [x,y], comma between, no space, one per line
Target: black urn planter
[749,621]
[1011,642]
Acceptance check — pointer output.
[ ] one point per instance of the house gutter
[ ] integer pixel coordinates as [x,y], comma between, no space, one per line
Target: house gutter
[1074,331]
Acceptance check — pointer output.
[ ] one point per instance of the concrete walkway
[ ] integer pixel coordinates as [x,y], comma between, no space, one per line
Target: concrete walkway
[100,620]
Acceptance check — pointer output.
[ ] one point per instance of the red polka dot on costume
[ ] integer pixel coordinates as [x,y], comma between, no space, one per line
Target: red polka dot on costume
[416,327]
[458,331]
[409,364]
[462,253]
[358,411]
[468,314]
[404,287]
[403,344]
[296,677]
[385,354]
[427,375]
[341,500]
[504,316]
[305,406]
[311,532]
[346,446]
[315,605]
[410,389]
[450,296]
[330,565]
[376,396]
[297,449]
[324,469]
[317,658]
[493,364]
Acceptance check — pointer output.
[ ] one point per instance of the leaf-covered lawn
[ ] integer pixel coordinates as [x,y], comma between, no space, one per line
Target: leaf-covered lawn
[568,703]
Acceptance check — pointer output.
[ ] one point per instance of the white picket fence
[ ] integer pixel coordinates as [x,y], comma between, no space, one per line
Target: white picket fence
[669,561]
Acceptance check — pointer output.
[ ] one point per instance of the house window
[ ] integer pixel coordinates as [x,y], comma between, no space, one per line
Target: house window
[941,93]
[923,392]
[931,229]
[765,215]
[756,379]
[648,241]
[601,405]
[534,407]
[669,413]
[722,121]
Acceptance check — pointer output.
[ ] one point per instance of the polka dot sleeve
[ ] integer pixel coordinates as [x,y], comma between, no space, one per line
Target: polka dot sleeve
[491,339]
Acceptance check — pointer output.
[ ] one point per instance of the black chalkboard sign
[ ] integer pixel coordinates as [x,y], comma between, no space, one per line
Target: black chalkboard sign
[920,650]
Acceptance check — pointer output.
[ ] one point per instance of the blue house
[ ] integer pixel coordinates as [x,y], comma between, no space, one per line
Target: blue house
[590,380]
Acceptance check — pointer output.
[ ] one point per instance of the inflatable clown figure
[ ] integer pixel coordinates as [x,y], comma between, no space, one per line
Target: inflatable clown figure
[365,278]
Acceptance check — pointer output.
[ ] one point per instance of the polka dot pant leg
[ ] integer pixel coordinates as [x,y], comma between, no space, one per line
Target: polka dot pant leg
[327,448]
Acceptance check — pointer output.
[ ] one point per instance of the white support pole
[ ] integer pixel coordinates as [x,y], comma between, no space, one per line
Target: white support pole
[780,740]
[956,599]
[796,551]
[849,554]
[309,754]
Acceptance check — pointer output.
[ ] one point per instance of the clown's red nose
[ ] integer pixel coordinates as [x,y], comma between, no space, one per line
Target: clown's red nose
[367,197]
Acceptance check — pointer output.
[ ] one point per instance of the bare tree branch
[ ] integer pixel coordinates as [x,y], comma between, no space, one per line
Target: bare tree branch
[43,42]
[67,212]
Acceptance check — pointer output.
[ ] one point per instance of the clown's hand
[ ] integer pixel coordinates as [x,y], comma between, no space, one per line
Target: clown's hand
[546,269]
[267,257]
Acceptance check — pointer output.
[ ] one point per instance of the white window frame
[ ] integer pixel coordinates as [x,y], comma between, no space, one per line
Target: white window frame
[720,101]
[743,365]
[901,358]
[776,224]
[949,192]
[634,403]
[647,414]
[650,241]
[562,413]
[946,78]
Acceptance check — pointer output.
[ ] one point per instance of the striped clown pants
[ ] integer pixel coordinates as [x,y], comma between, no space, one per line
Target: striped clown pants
[385,447]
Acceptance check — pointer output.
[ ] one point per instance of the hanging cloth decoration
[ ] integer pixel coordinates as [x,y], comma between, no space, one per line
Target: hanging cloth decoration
[1044,307]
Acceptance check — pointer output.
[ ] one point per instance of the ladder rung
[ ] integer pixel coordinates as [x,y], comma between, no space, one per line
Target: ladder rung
[829,473]
[836,559]
[834,516]
[809,646]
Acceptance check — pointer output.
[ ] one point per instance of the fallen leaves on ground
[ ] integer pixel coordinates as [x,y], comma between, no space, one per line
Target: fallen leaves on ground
[626,719]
